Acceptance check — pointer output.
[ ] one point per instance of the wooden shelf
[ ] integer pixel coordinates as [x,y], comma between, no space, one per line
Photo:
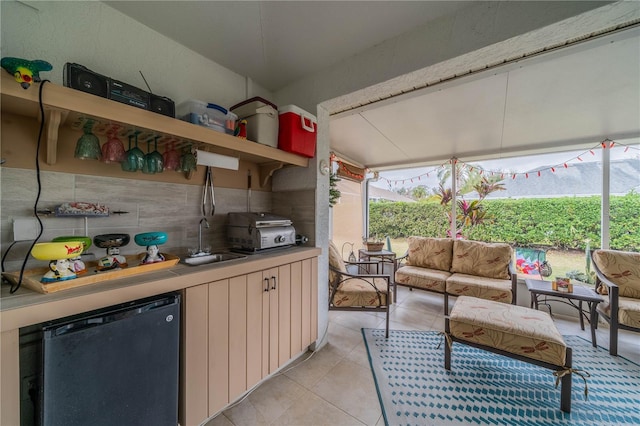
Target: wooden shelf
[64,106]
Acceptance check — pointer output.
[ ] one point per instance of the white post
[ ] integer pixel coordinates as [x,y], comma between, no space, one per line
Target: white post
[454,235]
[604,208]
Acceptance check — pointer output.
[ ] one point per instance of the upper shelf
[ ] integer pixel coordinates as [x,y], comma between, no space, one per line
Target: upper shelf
[64,106]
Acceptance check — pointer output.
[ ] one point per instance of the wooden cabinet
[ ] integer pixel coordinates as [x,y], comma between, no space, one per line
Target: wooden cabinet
[240,330]
[218,344]
[205,367]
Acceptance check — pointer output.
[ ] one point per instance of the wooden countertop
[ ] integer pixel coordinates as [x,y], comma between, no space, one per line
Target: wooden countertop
[27,307]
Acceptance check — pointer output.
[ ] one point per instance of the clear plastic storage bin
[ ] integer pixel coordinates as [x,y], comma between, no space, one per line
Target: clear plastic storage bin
[208,115]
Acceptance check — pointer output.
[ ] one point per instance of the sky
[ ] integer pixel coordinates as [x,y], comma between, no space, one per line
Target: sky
[514,164]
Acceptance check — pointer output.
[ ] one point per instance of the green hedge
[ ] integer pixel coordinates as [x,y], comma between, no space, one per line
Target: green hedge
[563,223]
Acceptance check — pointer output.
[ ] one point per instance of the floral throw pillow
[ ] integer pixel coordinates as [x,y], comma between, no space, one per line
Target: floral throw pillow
[622,268]
[489,260]
[432,253]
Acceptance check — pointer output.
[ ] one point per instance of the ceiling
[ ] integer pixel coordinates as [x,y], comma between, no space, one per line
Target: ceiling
[558,101]
[553,102]
[278,42]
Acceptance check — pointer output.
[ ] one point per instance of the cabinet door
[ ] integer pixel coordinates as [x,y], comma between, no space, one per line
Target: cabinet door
[193,358]
[313,279]
[270,323]
[306,302]
[296,309]
[237,336]
[218,346]
[284,314]
[257,288]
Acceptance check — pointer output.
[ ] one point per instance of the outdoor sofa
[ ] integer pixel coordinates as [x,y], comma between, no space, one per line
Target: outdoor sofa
[459,268]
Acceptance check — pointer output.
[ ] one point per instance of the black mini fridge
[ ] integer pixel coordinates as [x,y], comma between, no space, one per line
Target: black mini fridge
[117,366]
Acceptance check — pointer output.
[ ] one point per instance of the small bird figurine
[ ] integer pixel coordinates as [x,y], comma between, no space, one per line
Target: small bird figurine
[25,71]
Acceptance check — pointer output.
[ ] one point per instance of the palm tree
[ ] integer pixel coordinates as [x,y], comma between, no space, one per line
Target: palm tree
[419,192]
[467,177]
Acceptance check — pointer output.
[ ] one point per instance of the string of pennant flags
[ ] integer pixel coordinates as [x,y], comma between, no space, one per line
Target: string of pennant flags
[605,144]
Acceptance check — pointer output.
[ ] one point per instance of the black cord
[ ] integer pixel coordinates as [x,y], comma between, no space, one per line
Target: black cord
[35,205]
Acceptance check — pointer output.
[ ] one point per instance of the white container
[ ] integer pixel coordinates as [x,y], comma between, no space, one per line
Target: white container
[262,120]
[208,115]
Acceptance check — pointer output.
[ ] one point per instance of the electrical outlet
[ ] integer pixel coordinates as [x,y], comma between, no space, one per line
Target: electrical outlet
[25,229]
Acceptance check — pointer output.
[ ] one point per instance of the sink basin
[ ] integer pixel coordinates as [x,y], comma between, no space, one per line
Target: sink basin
[213,258]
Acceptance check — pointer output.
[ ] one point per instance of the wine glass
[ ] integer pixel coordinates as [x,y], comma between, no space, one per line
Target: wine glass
[88,146]
[149,163]
[171,157]
[188,161]
[134,159]
[113,150]
[157,157]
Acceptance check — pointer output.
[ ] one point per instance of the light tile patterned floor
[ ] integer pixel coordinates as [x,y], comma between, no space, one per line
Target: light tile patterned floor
[335,386]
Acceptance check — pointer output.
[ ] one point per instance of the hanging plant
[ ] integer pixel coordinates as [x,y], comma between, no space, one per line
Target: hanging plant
[334,192]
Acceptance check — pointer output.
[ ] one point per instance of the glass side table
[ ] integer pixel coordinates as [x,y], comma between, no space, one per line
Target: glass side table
[386,264]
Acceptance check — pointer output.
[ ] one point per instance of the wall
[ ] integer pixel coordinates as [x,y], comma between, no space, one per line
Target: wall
[346,217]
[173,208]
[104,40]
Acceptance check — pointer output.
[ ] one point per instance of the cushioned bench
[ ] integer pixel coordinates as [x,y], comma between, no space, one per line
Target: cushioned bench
[514,331]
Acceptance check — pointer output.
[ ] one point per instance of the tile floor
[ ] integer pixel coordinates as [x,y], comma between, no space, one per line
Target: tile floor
[335,386]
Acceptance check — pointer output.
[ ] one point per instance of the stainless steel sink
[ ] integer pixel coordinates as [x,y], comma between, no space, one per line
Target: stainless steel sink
[213,258]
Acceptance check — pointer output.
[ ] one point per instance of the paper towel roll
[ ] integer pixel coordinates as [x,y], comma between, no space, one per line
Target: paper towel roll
[205,158]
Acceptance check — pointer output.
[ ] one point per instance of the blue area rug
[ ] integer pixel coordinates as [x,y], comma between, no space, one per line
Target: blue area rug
[487,389]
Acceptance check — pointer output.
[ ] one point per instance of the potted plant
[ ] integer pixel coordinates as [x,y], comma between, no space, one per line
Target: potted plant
[373,244]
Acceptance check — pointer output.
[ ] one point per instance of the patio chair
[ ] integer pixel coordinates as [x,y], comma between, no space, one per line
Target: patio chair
[357,292]
[618,279]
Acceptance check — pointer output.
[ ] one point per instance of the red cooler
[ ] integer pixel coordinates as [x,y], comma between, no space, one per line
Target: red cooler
[297,131]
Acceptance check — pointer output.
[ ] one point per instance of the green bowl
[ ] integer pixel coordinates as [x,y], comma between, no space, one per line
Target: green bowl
[86,241]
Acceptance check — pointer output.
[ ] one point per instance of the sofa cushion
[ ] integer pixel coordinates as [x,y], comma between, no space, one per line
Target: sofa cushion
[628,311]
[481,287]
[433,253]
[489,260]
[425,278]
[511,328]
[335,261]
[361,292]
[621,268]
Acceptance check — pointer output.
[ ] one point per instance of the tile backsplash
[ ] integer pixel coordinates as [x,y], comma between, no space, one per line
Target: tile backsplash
[150,206]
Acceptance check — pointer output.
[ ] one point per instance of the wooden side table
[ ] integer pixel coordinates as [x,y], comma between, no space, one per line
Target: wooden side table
[541,292]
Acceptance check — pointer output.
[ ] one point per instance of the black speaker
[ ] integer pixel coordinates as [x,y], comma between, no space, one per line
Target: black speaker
[162,105]
[81,78]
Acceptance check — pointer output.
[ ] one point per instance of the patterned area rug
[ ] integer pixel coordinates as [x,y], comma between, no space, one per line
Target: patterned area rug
[488,389]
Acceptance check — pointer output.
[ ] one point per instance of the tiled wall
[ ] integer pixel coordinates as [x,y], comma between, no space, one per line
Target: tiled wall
[151,206]
[299,206]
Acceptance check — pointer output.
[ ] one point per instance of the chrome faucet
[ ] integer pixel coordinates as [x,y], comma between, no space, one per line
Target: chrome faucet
[206,225]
